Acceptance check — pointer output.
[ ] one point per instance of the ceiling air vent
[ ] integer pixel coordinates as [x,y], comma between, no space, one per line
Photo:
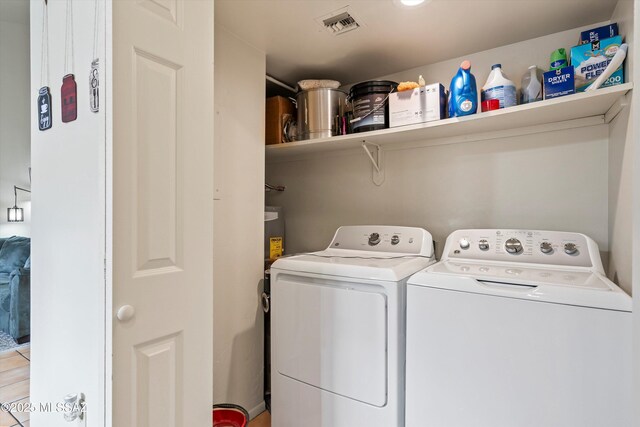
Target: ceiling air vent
[339,22]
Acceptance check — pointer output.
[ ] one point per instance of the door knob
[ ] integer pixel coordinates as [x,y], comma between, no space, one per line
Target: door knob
[125,313]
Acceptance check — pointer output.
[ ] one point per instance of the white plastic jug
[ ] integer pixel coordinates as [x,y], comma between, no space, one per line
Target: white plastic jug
[531,86]
[499,87]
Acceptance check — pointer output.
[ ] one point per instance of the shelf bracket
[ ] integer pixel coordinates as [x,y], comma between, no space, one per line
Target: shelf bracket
[378,171]
[616,108]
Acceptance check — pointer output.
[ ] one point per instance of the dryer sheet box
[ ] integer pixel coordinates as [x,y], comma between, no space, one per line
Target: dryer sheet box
[420,105]
[559,82]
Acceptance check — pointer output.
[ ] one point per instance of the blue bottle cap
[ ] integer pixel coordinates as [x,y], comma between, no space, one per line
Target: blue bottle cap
[494,66]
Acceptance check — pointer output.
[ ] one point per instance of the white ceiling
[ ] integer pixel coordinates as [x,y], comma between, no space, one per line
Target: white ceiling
[393,38]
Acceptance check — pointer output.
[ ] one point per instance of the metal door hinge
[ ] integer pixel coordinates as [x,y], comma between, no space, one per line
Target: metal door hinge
[74,407]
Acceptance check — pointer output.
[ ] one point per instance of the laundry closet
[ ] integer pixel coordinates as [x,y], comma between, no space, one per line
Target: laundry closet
[564,164]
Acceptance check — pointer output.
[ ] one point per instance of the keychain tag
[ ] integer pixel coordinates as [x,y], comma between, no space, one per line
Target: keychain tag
[43,104]
[68,97]
[44,109]
[94,83]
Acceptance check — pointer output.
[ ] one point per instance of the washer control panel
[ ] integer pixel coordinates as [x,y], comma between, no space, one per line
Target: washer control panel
[374,238]
[530,246]
[513,246]
[384,238]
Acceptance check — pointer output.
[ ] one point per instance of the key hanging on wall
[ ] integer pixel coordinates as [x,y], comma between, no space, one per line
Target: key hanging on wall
[94,81]
[43,105]
[69,89]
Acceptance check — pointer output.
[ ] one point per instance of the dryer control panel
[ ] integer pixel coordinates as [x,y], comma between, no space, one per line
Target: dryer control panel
[528,246]
[384,238]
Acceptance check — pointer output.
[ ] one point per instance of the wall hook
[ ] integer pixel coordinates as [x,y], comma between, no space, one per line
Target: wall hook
[269,187]
[377,162]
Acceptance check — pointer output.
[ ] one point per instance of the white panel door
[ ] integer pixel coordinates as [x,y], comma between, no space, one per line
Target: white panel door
[162,212]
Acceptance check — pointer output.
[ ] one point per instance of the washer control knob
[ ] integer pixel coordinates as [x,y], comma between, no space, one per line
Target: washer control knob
[513,246]
[374,239]
[483,245]
[546,247]
[570,248]
[395,239]
[464,243]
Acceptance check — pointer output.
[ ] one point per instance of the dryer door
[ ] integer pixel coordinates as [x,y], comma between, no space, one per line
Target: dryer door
[332,335]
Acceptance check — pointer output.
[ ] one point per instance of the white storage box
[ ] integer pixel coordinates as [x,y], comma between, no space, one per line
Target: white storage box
[422,104]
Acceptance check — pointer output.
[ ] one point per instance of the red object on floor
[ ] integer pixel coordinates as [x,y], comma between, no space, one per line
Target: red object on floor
[229,415]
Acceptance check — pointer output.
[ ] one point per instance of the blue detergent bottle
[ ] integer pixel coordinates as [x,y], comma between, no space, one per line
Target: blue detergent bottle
[463,94]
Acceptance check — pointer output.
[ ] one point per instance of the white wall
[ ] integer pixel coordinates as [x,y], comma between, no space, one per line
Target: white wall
[555,181]
[621,149]
[533,181]
[15,140]
[635,228]
[238,222]
[68,227]
[515,59]
[621,168]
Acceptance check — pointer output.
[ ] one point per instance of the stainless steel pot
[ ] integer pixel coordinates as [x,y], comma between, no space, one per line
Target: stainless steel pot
[317,109]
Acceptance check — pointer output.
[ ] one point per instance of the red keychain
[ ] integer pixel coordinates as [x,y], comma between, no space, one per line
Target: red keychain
[69,99]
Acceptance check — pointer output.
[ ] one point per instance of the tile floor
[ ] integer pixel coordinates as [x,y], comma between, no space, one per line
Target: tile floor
[14,388]
[14,385]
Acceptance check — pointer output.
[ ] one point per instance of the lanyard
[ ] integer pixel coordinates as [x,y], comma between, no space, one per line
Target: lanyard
[69,89]
[68,40]
[44,57]
[94,82]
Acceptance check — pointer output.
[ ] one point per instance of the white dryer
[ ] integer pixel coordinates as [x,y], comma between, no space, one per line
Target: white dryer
[338,328]
[518,328]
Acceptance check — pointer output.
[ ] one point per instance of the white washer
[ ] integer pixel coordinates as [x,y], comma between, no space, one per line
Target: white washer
[338,328]
[518,328]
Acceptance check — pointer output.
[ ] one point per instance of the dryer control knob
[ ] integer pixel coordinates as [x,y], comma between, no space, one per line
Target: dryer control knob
[546,247]
[570,248]
[374,239]
[483,245]
[464,243]
[513,246]
[395,239]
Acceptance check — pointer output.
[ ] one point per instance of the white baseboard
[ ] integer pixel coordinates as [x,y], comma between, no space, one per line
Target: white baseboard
[257,410]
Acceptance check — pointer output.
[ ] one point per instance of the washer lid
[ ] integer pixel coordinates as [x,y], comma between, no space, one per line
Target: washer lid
[570,286]
[382,266]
